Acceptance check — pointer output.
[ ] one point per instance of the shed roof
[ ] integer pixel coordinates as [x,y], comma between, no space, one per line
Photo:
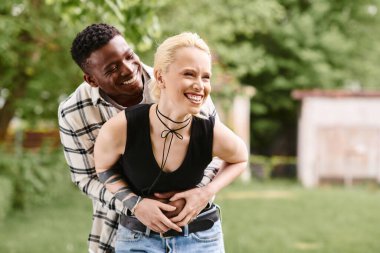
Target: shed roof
[300,94]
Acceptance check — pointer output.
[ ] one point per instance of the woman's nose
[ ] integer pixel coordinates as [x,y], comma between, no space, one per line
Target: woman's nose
[198,85]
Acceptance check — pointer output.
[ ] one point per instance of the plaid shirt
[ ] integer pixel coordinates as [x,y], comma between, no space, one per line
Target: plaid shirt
[80,117]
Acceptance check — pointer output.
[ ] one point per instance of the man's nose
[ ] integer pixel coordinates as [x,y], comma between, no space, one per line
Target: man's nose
[126,68]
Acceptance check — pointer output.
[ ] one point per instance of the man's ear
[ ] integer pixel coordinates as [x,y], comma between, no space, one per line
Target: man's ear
[90,80]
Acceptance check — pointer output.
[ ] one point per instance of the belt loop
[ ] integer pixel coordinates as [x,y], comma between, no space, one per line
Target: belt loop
[147,231]
[220,212]
[186,230]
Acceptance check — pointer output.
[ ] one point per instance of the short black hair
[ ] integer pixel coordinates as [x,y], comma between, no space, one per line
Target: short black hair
[89,40]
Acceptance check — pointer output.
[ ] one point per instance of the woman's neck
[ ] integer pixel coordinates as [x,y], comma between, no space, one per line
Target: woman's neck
[171,117]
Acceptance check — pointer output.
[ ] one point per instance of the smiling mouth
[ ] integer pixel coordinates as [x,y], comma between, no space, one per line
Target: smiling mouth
[132,80]
[197,99]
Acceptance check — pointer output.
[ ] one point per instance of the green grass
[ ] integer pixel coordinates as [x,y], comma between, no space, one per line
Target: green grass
[282,218]
[61,225]
[275,217]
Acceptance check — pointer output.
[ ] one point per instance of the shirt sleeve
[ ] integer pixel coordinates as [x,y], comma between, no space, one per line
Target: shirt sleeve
[78,151]
[208,109]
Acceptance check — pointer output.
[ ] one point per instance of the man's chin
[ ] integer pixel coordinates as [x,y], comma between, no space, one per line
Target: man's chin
[134,89]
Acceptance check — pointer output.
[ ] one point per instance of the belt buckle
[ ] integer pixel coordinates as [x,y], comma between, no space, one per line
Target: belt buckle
[162,235]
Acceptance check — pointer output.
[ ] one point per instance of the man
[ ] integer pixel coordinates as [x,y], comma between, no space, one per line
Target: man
[115,79]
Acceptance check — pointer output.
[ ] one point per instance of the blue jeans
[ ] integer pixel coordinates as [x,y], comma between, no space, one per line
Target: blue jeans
[207,241]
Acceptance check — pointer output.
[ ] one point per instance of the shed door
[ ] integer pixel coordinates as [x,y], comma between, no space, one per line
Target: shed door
[348,152]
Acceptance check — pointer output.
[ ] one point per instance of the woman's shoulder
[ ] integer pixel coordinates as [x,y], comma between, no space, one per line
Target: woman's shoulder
[204,123]
[139,110]
[203,119]
[137,115]
[138,107]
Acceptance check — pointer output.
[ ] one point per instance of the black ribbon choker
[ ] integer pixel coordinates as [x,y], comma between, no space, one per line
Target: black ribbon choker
[165,134]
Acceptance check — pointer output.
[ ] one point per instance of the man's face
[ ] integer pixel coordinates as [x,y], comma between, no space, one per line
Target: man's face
[117,71]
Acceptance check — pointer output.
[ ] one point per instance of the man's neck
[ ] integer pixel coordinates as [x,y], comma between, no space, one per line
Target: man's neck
[122,102]
[130,101]
[126,101]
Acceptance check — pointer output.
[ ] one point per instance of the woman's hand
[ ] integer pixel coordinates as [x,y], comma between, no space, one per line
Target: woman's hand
[150,213]
[195,199]
[179,203]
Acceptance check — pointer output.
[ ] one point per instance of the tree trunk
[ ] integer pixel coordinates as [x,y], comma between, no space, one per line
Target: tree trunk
[7,112]
[19,84]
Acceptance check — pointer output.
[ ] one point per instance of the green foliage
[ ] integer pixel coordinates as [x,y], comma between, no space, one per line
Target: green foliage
[33,174]
[136,19]
[276,46]
[35,39]
[263,166]
[279,46]
[6,190]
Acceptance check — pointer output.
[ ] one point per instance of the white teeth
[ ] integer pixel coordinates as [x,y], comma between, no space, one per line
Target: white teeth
[195,98]
[133,79]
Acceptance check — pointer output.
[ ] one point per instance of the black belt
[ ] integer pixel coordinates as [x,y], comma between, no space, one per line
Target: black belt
[204,221]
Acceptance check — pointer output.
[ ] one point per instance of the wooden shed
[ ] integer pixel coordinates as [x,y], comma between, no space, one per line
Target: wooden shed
[338,136]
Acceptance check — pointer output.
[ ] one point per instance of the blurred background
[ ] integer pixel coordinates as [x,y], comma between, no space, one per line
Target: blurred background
[296,79]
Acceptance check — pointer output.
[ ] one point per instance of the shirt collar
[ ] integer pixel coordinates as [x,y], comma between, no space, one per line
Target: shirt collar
[95,95]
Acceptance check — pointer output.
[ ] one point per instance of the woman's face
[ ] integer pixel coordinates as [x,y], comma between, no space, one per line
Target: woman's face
[187,79]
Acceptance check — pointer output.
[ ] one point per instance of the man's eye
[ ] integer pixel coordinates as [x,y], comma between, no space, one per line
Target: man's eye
[112,69]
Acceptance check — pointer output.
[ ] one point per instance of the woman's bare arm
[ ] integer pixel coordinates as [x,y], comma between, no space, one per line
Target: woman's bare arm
[110,145]
[233,151]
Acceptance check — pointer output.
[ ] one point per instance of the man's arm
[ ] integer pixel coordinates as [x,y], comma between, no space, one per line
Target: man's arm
[208,109]
[78,151]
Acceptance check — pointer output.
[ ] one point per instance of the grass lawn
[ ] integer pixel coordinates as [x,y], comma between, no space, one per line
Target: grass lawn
[275,217]
[286,218]
[61,225]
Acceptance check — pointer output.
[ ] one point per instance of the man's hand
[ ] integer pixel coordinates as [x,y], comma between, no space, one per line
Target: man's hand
[196,199]
[150,213]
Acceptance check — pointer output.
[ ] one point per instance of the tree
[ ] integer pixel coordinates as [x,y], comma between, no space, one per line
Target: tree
[278,46]
[35,37]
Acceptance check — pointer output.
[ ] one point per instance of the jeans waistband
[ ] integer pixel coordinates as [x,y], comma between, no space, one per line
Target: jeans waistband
[205,220]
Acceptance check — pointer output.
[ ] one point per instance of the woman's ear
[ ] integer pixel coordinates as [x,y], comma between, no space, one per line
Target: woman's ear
[90,80]
[159,78]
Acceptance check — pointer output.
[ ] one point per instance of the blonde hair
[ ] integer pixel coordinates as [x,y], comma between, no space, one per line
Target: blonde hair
[165,55]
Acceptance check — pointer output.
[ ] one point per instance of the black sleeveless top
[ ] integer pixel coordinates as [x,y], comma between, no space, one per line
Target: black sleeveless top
[140,166]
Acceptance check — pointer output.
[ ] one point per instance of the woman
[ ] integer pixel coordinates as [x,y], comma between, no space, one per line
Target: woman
[166,147]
